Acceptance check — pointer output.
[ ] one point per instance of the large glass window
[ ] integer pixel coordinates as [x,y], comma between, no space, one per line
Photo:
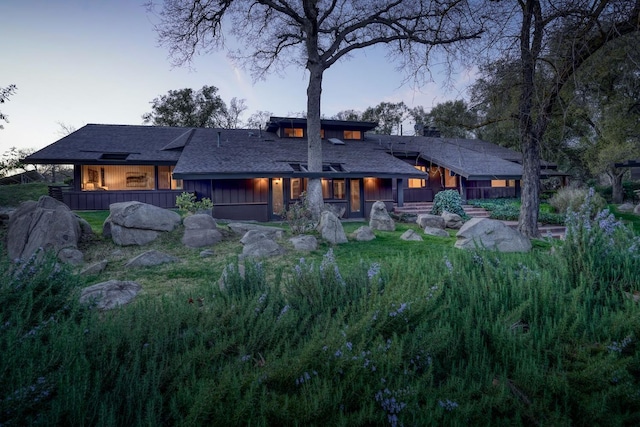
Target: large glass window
[418,183]
[277,196]
[165,179]
[97,178]
[333,189]
[450,179]
[354,191]
[298,186]
[339,191]
[293,132]
[352,134]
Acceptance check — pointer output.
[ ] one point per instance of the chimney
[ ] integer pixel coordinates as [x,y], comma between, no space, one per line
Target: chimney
[431,131]
[219,138]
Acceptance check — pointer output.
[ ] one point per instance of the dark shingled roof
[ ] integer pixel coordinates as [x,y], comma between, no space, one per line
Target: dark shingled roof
[474,162]
[242,153]
[205,153]
[87,145]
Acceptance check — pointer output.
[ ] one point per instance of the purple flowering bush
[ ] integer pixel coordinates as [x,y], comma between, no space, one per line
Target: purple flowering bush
[600,251]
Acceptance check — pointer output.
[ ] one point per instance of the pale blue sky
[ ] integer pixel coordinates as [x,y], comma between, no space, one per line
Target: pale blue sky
[97,61]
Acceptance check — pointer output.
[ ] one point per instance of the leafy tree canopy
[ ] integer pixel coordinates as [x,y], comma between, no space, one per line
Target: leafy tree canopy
[5,93]
[189,108]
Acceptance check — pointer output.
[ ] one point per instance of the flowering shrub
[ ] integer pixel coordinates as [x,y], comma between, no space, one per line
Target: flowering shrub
[600,251]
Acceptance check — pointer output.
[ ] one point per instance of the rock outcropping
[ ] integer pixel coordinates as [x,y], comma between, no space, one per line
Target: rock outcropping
[49,225]
[136,223]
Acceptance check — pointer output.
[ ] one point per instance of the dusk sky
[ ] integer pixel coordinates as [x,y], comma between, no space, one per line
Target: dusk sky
[91,61]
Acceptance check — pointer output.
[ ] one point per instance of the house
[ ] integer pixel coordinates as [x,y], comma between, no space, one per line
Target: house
[255,174]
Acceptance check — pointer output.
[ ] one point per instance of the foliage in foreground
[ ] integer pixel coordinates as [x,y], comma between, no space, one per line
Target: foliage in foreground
[446,338]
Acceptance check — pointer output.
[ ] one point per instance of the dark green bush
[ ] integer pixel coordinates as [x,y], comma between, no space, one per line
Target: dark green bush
[450,201]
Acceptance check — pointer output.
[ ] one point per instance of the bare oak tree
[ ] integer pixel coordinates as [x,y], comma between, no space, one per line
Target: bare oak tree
[549,40]
[315,34]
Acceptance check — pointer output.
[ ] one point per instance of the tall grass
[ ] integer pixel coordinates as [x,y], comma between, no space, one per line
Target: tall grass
[433,336]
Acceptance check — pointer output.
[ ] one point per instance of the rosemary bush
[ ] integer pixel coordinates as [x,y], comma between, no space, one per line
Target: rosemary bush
[446,337]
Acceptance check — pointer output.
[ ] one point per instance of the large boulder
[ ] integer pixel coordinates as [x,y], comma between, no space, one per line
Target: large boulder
[626,207]
[253,236]
[111,294]
[136,223]
[430,220]
[331,229]
[363,234]
[124,236]
[379,218]
[491,234]
[434,231]
[199,222]
[411,235]
[336,209]
[304,242]
[46,224]
[261,248]
[243,227]
[200,230]
[451,220]
[143,216]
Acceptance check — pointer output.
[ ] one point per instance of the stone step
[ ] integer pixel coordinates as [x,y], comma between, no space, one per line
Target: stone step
[555,231]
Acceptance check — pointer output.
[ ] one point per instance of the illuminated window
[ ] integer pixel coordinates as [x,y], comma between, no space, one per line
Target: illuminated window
[322,133]
[339,191]
[111,177]
[326,189]
[298,186]
[352,134]
[418,183]
[293,132]
[450,179]
[499,183]
[166,181]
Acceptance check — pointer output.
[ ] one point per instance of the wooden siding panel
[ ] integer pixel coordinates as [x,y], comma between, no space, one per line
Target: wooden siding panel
[378,189]
[100,200]
[240,191]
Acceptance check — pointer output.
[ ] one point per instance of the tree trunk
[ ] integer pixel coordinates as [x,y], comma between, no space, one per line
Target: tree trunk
[530,45]
[314,142]
[316,68]
[617,192]
[530,199]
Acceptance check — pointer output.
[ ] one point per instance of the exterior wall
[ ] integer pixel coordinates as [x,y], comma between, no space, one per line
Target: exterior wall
[100,200]
[240,199]
[377,189]
[484,190]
